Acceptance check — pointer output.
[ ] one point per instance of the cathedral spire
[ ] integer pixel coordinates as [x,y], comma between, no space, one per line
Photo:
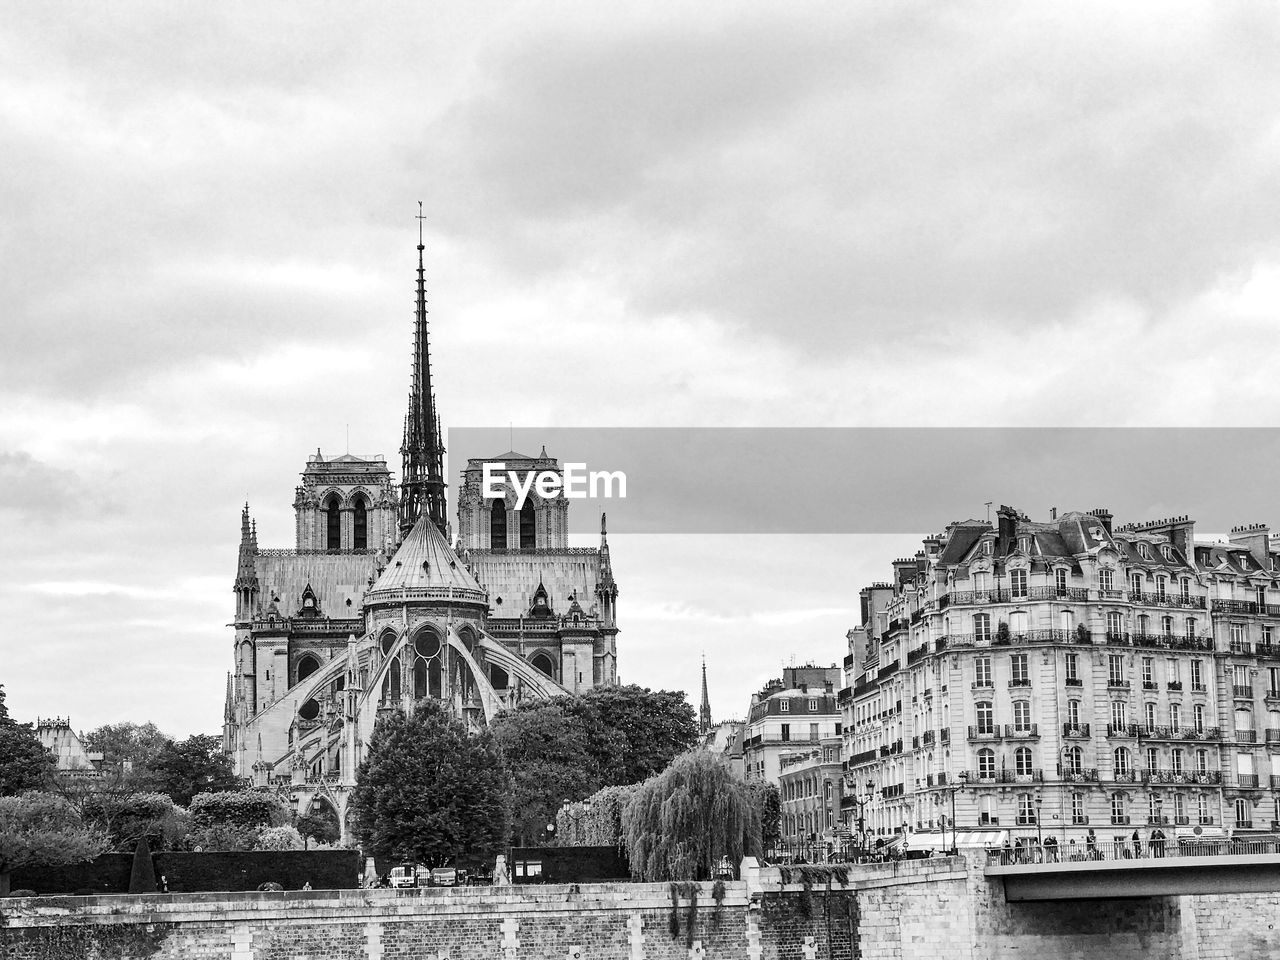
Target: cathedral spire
[422,486]
[704,715]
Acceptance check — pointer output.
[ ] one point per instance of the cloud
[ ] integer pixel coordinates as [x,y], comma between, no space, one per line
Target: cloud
[36,493]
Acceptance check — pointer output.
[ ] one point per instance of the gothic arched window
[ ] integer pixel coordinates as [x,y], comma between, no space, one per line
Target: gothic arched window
[307,666]
[333,523]
[542,662]
[528,528]
[360,531]
[497,525]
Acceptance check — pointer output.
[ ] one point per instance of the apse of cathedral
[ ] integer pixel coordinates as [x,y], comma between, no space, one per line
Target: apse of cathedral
[375,608]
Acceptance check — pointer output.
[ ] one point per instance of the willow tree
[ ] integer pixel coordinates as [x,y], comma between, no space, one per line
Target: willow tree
[682,821]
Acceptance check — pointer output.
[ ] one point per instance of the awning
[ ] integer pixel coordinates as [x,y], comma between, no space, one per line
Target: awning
[973,838]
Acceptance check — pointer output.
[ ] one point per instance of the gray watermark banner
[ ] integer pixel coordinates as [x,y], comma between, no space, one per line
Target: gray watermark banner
[895,480]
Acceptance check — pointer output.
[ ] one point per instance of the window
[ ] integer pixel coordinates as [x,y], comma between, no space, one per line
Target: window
[333,523]
[1060,581]
[1175,760]
[1268,635]
[360,530]
[1105,580]
[1144,625]
[985,715]
[1244,812]
[1119,713]
[1202,809]
[1026,808]
[1197,672]
[1073,713]
[784,706]
[1118,808]
[1144,551]
[498,525]
[1121,758]
[1020,675]
[1175,716]
[1202,761]
[1191,628]
[1184,586]
[1148,670]
[1166,626]
[1237,637]
[1022,715]
[528,526]
[981,627]
[1115,626]
[1240,676]
[982,672]
[1197,717]
[1135,585]
[1149,716]
[1115,670]
[1018,584]
[813,706]
[1173,671]
[813,731]
[1162,588]
[1074,758]
[786,733]
[1077,809]
[1073,666]
[1179,808]
[1154,803]
[1022,761]
[1153,758]
[986,764]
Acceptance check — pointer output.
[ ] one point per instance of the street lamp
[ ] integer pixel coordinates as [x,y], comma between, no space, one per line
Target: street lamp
[861,800]
[1039,834]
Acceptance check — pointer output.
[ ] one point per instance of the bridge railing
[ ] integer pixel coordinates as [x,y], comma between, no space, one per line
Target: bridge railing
[1143,849]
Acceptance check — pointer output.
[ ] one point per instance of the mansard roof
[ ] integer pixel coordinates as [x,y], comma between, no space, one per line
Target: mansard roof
[426,565]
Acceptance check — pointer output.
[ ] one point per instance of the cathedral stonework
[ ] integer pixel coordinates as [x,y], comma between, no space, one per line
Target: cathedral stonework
[374,609]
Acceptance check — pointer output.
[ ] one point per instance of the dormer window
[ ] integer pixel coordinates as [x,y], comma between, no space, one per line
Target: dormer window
[1024,544]
[1244,562]
[986,548]
[784,706]
[1167,551]
[1144,551]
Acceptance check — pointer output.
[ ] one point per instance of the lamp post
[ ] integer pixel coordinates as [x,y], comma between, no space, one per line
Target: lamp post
[1039,834]
[861,800]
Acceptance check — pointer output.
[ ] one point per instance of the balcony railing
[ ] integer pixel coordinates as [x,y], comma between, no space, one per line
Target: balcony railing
[1124,776]
[1235,606]
[936,779]
[1242,691]
[1076,731]
[984,732]
[1246,736]
[1020,682]
[1114,683]
[1058,593]
[1122,730]
[1074,682]
[1247,781]
[1174,685]
[1273,735]
[1079,775]
[1188,777]
[1275,782]
[1013,731]
[1166,600]
[1119,820]
[1005,776]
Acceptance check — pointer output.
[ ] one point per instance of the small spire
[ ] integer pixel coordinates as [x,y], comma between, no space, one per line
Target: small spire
[704,715]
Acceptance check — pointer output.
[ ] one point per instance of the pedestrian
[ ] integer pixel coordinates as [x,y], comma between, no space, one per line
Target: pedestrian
[1091,844]
[1157,842]
[306,885]
[1137,845]
[164,883]
[1051,849]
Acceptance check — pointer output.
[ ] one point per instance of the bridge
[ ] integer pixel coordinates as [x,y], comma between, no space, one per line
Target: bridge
[1103,871]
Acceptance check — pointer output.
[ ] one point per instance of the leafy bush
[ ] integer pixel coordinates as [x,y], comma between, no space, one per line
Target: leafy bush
[279,838]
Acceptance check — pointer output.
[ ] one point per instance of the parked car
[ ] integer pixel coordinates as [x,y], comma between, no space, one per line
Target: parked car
[444,877]
[403,877]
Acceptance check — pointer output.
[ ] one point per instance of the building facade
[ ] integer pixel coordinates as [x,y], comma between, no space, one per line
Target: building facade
[374,608]
[792,714]
[810,789]
[1048,678]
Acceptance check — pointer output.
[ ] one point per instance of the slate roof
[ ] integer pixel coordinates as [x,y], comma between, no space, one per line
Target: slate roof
[425,561]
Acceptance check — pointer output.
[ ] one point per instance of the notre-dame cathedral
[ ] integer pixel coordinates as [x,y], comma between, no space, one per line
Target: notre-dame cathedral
[373,608]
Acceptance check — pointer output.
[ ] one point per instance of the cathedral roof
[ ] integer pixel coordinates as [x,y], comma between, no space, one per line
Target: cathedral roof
[425,566]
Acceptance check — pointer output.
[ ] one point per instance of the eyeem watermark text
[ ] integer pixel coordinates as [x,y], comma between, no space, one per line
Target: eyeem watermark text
[577,483]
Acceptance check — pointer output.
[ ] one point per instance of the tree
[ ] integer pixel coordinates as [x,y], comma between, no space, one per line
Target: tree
[24,762]
[430,792]
[322,826]
[768,802]
[193,766]
[42,828]
[126,818]
[552,756]
[656,726]
[279,838]
[682,821]
[234,819]
[139,744]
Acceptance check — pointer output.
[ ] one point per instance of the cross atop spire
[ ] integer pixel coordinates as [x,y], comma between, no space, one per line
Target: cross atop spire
[422,486]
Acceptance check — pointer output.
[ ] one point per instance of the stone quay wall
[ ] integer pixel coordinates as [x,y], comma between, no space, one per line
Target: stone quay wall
[912,910]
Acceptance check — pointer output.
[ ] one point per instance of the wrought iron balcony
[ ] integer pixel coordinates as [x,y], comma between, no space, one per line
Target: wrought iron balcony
[1122,730]
[1242,691]
[1079,775]
[1125,776]
[1246,736]
[982,732]
[1247,781]
[1076,731]
[1028,731]
[1235,606]
[981,777]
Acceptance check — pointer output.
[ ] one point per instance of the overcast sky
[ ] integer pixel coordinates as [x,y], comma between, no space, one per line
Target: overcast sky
[713,214]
